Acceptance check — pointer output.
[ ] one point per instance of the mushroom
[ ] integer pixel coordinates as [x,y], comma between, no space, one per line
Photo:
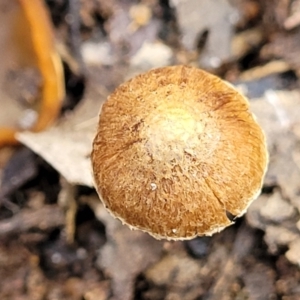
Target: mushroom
[178,154]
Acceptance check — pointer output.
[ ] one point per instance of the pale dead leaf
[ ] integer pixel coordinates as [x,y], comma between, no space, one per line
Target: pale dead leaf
[68,144]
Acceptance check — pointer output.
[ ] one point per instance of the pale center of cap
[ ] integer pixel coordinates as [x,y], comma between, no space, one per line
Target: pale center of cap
[171,131]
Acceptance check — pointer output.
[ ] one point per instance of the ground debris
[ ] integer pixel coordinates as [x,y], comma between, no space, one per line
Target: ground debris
[212,18]
[126,253]
[277,212]
[57,240]
[179,273]
[44,218]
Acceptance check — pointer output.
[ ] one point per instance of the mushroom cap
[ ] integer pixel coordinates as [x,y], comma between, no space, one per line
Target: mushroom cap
[177,153]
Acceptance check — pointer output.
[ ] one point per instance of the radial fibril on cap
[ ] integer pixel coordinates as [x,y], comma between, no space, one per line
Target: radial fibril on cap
[176,150]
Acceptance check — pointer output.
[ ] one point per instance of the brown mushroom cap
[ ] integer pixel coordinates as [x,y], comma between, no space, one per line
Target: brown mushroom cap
[177,149]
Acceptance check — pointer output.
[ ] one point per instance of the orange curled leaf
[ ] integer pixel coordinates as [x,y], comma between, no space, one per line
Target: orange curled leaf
[32,36]
[48,62]
[7,137]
